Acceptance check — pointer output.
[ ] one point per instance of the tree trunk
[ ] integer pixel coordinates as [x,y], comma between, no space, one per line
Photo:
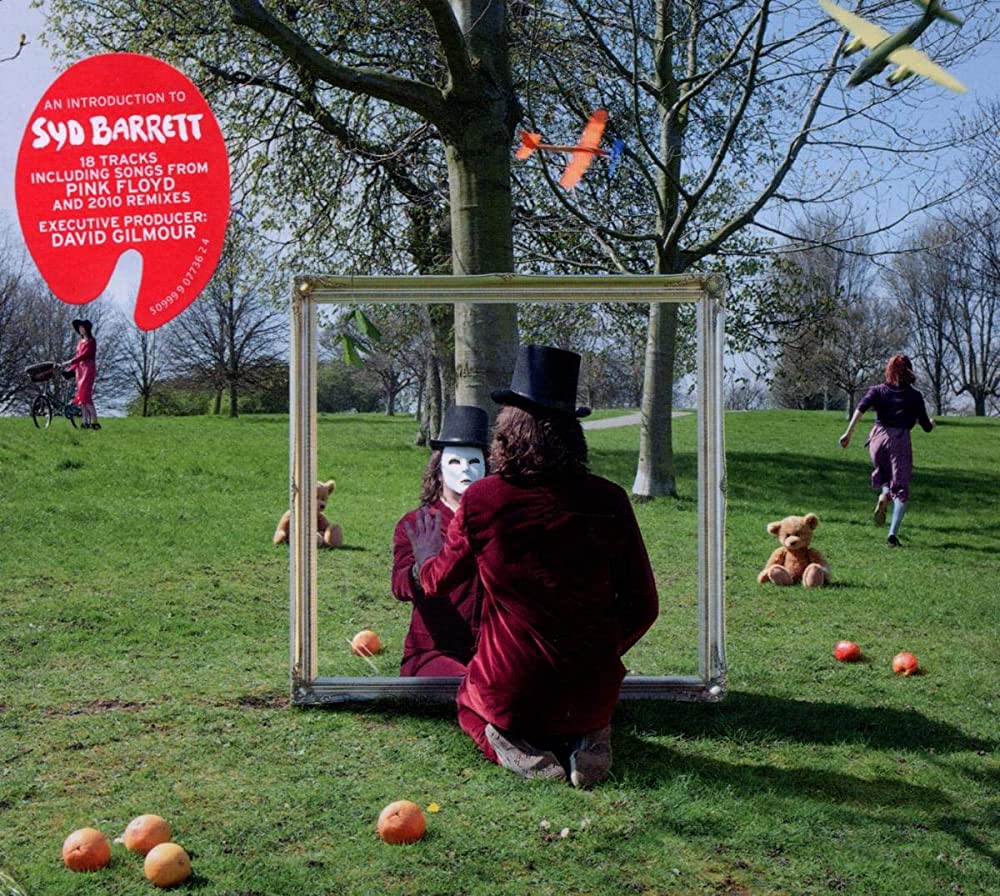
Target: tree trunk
[655,475]
[218,402]
[431,416]
[485,334]
[443,333]
[234,407]
[477,147]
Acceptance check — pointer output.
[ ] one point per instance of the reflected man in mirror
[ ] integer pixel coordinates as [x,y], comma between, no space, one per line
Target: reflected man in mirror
[443,630]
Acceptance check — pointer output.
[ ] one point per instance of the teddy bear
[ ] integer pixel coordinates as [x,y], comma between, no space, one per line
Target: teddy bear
[327,534]
[795,561]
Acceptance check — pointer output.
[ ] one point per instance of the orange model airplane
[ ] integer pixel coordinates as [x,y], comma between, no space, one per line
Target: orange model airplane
[582,154]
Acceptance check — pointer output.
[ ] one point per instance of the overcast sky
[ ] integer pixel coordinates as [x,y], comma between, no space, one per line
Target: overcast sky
[24,80]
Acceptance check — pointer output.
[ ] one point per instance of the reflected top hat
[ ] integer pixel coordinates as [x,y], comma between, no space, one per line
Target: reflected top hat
[78,322]
[464,424]
[544,379]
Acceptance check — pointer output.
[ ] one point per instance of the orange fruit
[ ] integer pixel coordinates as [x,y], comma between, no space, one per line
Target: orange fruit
[144,832]
[86,850]
[365,643]
[904,664]
[402,822]
[167,864]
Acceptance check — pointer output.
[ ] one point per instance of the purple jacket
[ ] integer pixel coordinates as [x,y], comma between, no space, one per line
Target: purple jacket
[899,407]
[442,626]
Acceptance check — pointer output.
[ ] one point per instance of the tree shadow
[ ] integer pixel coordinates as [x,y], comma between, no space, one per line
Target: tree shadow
[810,481]
[649,765]
[790,482]
[762,718]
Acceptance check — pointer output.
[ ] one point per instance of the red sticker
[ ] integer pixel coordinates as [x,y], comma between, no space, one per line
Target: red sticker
[122,152]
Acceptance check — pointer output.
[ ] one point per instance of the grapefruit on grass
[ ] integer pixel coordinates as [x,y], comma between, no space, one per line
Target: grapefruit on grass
[144,832]
[904,663]
[167,864]
[86,850]
[365,643]
[402,822]
[847,652]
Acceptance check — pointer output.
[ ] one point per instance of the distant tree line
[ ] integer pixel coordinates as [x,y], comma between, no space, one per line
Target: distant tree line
[935,296]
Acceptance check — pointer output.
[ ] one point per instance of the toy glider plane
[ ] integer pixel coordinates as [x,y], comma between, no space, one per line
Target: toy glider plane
[895,48]
[582,154]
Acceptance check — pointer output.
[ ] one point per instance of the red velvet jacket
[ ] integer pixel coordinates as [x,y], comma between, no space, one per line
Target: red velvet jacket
[568,589]
[438,627]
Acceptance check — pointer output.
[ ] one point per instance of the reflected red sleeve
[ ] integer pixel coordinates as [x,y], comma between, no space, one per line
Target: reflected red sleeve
[403,586]
[455,563]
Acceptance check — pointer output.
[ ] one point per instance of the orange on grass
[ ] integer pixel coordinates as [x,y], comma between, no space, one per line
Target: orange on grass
[905,663]
[86,850]
[402,822]
[144,832]
[365,643]
[167,864]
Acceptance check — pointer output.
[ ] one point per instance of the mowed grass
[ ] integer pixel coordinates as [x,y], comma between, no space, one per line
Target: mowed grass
[144,668]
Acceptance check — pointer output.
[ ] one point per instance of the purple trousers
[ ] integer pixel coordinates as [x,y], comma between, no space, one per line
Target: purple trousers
[892,459]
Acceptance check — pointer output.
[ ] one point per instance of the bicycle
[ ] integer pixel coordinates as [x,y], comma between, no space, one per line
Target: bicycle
[49,402]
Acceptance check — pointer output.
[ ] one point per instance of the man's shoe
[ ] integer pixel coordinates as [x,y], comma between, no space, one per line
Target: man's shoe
[881,506]
[590,759]
[522,758]
[893,542]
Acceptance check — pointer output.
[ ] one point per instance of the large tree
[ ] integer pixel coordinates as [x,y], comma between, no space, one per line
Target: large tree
[339,112]
[736,118]
[237,328]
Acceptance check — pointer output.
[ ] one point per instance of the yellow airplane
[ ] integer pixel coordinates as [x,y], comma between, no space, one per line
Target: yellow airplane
[895,48]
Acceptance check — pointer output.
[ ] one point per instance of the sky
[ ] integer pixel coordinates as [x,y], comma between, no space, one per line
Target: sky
[24,80]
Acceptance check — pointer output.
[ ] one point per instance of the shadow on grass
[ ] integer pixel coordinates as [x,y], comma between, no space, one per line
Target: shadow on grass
[645,764]
[809,482]
[971,835]
[805,482]
[760,718]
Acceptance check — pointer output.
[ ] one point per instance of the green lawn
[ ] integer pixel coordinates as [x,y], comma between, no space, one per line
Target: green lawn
[144,668]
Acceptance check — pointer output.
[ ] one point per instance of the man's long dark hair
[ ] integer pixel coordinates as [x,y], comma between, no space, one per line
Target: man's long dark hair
[529,445]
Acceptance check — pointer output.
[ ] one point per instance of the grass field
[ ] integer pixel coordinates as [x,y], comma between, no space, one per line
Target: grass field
[144,668]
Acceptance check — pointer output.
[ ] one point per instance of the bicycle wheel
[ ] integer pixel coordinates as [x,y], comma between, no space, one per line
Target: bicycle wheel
[71,411]
[41,412]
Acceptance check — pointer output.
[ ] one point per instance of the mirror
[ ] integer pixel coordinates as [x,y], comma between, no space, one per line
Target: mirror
[335,594]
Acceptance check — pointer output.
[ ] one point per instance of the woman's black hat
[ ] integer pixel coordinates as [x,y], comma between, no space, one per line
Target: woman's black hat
[545,378]
[464,424]
[77,323]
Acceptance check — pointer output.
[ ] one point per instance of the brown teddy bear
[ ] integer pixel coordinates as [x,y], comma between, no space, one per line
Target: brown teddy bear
[327,534]
[795,561]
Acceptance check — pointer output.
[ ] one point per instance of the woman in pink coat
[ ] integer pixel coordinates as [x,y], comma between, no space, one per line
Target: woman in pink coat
[84,364]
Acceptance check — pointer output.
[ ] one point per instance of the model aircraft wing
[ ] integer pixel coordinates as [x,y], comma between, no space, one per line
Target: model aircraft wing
[913,59]
[594,130]
[871,35]
[579,162]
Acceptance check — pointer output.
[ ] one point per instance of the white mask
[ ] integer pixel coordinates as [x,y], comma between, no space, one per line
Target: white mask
[461,466]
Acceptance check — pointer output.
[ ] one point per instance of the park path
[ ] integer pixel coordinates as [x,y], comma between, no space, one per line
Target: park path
[625,420]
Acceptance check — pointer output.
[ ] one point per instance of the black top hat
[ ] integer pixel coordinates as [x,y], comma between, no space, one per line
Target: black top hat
[77,323]
[464,424]
[544,378]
